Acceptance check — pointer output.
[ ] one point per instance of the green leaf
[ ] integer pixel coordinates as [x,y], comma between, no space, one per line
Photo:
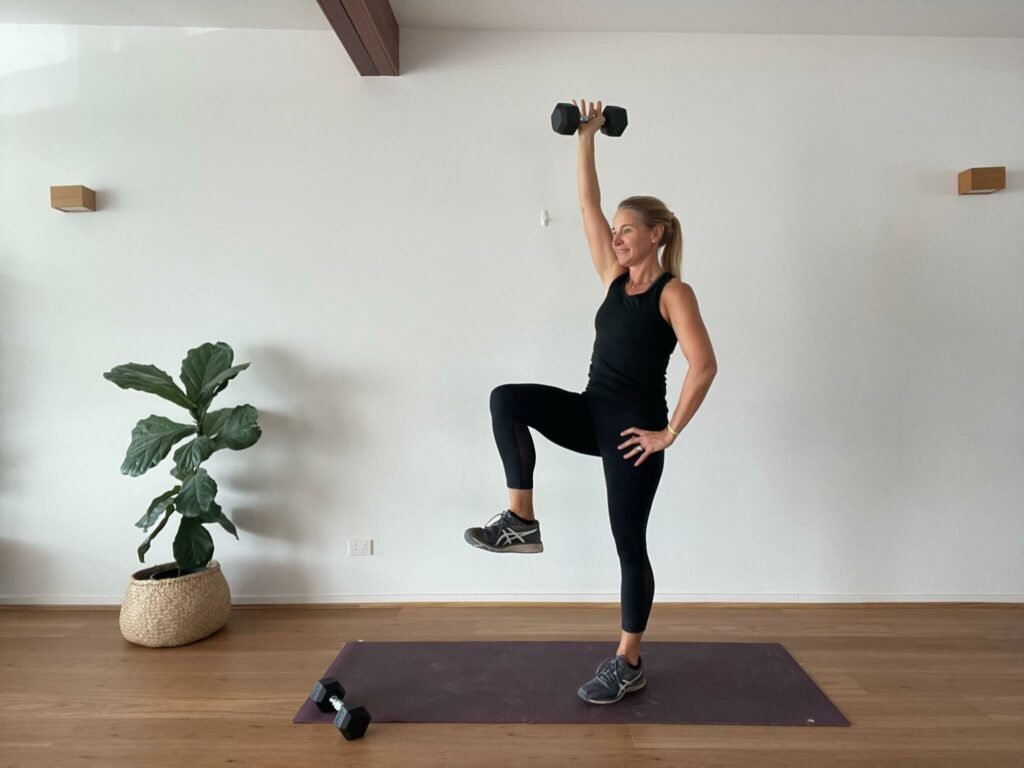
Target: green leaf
[152,440]
[235,428]
[157,508]
[202,364]
[220,381]
[206,371]
[197,494]
[149,378]
[144,547]
[228,526]
[193,546]
[216,515]
[193,453]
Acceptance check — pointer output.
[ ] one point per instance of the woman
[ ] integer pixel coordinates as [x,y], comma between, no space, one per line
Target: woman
[621,415]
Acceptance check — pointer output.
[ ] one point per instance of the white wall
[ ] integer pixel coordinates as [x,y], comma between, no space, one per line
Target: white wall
[372,247]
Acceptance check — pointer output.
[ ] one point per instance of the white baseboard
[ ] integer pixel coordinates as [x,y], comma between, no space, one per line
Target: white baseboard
[519,597]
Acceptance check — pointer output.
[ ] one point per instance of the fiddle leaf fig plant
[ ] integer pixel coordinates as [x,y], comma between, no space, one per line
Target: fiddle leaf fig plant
[205,371]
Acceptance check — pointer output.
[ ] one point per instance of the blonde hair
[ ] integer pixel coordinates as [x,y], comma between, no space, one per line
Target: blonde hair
[654,212]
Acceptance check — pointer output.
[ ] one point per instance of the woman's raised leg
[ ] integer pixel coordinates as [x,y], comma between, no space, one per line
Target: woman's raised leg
[563,417]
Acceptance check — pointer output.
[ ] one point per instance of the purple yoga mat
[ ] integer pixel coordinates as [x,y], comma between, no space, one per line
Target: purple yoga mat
[536,682]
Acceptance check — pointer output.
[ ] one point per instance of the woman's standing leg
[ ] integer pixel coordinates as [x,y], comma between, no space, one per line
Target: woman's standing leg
[630,491]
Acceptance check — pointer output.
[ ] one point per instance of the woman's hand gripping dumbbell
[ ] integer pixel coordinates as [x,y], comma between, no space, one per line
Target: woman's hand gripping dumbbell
[566,118]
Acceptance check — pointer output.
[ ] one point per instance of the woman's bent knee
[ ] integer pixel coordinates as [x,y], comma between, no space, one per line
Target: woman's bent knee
[502,397]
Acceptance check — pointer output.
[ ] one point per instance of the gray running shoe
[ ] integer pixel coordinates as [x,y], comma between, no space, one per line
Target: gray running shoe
[615,678]
[506,533]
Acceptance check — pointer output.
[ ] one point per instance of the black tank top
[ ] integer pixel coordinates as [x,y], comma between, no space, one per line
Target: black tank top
[632,347]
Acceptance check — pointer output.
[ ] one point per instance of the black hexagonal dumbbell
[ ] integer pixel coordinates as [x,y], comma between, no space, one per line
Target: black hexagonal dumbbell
[566,119]
[328,695]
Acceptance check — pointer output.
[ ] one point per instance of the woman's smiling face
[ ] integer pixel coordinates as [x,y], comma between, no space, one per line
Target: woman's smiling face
[632,241]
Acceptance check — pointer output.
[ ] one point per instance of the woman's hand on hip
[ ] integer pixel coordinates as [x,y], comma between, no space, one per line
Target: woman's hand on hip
[645,443]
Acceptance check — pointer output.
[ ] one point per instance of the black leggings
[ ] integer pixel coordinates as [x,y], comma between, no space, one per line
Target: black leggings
[591,425]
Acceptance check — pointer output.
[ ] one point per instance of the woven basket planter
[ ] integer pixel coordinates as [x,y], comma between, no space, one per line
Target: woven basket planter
[160,613]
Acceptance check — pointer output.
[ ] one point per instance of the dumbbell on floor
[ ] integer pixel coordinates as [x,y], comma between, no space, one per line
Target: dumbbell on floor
[328,695]
[566,119]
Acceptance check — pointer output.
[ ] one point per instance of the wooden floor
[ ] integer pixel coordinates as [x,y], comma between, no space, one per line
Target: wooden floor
[923,685]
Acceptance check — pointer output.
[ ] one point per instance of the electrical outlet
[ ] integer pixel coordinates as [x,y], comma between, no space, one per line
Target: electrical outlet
[360,546]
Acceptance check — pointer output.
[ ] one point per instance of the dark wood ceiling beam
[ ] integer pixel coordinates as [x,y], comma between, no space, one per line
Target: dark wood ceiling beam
[368,30]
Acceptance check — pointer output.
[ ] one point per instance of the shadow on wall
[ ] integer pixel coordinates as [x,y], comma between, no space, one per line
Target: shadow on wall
[25,572]
[14,556]
[8,459]
[295,475]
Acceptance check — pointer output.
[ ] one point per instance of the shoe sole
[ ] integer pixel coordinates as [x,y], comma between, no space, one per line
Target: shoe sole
[629,689]
[518,548]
